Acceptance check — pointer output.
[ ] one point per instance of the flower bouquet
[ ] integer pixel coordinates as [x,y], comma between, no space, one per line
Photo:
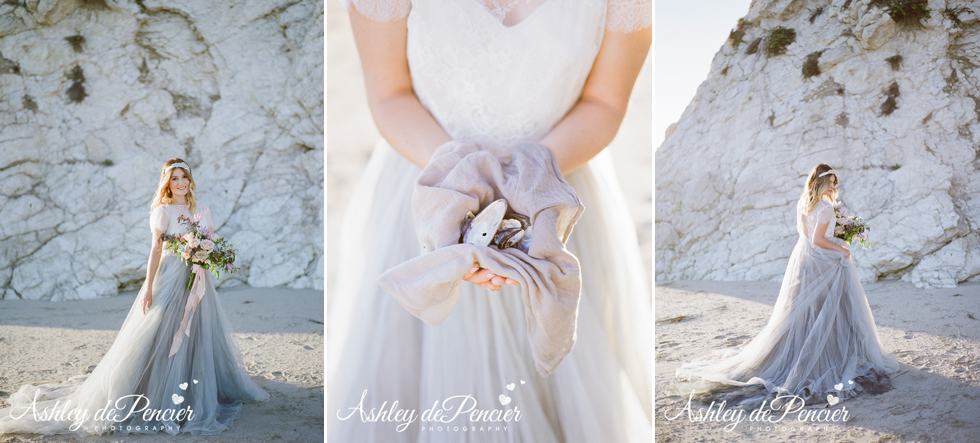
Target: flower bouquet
[850,228]
[199,246]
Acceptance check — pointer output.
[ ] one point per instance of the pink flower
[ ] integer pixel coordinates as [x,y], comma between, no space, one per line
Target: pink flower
[194,242]
[207,245]
[186,255]
[200,256]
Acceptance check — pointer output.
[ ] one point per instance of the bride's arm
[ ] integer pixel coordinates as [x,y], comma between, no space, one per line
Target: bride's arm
[594,120]
[400,117]
[156,250]
[821,241]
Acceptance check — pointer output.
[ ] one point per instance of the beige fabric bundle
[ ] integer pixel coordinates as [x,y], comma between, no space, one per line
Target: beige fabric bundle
[461,177]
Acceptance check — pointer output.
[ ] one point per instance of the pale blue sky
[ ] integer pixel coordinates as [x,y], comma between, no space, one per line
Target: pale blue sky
[687,34]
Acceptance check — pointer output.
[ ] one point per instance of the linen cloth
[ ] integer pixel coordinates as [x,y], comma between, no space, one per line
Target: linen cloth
[463,177]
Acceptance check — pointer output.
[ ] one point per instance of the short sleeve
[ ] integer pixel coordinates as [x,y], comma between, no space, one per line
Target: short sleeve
[825,214]
[158,219]
[380,10]
[206,216]
[628,15]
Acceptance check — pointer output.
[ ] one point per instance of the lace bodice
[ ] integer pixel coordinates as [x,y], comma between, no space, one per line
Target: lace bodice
[500,84]
[807,222]
[163,218]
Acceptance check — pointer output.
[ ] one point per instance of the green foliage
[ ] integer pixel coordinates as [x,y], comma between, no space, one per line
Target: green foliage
[953,14]
[908,14]
[778,39]
[736,35]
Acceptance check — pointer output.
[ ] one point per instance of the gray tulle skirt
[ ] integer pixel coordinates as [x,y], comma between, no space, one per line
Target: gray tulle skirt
[138,387]
[820,343]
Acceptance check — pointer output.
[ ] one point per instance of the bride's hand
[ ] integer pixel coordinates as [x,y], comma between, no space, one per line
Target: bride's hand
[147,301]
[487,279]
[845,251]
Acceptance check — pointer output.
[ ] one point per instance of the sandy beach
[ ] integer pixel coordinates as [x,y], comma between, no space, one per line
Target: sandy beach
[934,334]
[279,331]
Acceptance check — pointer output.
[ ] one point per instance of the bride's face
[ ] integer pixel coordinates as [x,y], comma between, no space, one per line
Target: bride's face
[833,185]
[179,183]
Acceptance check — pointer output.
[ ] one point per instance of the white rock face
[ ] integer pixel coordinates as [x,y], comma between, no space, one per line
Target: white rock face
[730,171]
[97,94]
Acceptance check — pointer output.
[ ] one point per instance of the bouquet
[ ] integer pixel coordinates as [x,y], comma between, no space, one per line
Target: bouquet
[850,228]
[199,246]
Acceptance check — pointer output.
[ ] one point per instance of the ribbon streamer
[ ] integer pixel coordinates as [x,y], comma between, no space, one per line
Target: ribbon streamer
[193,300]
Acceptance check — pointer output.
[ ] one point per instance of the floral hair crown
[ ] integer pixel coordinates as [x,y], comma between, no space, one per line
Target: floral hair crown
[827,172]
[177,165]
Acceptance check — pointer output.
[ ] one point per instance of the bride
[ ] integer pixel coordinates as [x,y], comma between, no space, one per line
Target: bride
[157,375]
[495,73]
[820,343]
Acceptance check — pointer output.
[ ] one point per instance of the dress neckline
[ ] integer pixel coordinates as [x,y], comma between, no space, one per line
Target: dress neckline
[486,12]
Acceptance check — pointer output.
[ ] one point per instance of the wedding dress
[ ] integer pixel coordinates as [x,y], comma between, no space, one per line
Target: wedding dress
[820,343]
[204,374]
[497,85]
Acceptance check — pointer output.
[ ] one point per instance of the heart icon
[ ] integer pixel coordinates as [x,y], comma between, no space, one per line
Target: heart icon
[195,381]
[510,386]
[183,386]
[831,400]
[850,382]
[176,399]
[504,400]
[839,386]
[522,382]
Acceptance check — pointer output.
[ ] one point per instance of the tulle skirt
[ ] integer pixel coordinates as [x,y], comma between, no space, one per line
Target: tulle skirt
[379,354]
[137,387]
[820,343]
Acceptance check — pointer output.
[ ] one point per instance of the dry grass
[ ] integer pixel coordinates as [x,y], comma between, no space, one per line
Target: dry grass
[908,14]
[891,99]
[778,39]
[895,62]
[811,66]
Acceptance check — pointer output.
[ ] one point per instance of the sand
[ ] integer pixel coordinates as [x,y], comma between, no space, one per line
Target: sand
[934,334]
[279,331]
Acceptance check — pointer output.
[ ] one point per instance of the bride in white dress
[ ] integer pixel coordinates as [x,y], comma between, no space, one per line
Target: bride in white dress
[158,375]
[497,73]
[820,343]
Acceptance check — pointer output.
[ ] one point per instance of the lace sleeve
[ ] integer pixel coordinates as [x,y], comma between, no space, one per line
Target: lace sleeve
[826,215]
[628,15]
[380,10]
[206,218]
[158,219]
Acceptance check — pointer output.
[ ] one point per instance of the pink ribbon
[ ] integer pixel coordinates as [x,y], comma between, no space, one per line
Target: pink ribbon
[193,300]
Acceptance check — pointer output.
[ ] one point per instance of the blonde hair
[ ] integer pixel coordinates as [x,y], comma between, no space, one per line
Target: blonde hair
[817,186]
[164,196]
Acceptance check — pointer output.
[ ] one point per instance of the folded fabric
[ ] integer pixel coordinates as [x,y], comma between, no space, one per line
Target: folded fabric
[461,177]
